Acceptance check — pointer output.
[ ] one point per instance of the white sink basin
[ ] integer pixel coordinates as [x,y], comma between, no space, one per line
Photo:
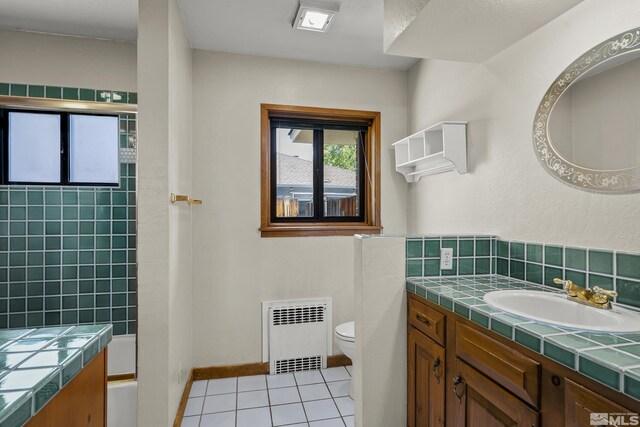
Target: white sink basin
[555,309]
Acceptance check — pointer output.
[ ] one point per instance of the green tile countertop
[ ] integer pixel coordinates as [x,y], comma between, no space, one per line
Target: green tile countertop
[611,359]
[36,363]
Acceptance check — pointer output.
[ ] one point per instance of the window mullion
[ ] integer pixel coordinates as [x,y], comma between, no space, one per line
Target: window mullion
[273,171]
[363,174]
[318,174]
[64,149]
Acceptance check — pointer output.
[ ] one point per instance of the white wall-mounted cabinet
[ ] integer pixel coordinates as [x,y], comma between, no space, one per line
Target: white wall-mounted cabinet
[436,149]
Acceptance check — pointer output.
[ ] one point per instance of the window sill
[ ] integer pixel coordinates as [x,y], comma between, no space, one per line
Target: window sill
[315,229]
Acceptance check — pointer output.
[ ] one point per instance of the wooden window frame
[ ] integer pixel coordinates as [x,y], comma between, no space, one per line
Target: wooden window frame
[371,223]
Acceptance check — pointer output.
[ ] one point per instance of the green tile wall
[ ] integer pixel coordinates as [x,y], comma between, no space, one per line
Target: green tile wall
[68,254]
[533,262]
[57,92]
[592,267]
[472,255]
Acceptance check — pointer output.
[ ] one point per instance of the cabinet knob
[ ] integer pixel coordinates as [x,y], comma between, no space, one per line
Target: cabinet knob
[555,380]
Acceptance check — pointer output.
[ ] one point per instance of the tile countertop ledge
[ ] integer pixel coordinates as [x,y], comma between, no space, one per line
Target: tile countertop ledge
[611,359]
[36,363]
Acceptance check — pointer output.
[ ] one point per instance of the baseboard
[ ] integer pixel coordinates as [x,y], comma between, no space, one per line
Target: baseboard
[183,400]
[247,369]
[338,360]
[121,377]
[230,371]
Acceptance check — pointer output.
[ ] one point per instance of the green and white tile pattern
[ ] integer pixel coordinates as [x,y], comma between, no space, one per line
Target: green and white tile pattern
[539,263]
[37,363]
[71,93]
[68,254]
[471,255]
[611,359]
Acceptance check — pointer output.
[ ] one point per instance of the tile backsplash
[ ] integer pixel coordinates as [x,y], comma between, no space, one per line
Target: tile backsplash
[533,262]
[540,263]
[471,255]
[68,254]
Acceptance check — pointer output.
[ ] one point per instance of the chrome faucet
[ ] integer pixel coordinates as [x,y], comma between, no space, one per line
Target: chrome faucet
[595,297]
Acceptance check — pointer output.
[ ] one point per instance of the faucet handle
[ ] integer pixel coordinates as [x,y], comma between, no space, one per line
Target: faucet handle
[604,292]
[572,290]
[565,283]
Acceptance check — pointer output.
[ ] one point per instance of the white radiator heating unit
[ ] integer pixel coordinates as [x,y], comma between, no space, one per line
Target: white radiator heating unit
[296,334]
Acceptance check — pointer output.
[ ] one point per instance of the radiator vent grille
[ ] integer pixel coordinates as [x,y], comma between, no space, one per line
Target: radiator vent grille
[298,364]
[296,315]
[296,334]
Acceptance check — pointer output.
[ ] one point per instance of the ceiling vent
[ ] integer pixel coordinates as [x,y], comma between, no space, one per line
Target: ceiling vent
[315,15]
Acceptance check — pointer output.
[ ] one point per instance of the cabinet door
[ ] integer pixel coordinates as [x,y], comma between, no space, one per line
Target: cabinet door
[481,402]
[580,403]
[426,381]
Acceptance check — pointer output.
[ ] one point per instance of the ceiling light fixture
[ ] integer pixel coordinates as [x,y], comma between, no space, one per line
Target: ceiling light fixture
[315,15]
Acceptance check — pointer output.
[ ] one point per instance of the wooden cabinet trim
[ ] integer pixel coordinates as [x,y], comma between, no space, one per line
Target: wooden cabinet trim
[506,366]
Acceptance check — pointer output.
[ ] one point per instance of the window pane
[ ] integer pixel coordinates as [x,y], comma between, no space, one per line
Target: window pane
[93,149]
[341,171]
[294,173]
[34,147]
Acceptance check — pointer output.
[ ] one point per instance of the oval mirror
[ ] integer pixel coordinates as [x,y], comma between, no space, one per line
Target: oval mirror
[587,127]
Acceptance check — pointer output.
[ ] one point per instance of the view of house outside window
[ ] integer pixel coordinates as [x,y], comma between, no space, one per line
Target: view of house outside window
[294,173]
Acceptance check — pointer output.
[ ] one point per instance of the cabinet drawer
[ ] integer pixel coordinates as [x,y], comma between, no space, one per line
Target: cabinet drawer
[427,320]
[506,366]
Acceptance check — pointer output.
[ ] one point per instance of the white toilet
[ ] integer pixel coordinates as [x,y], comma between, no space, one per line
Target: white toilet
[345,338]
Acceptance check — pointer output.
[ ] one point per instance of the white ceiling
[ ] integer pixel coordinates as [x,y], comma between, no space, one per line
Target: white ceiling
[463,30]
[254,27]
[108,19]
[263,27]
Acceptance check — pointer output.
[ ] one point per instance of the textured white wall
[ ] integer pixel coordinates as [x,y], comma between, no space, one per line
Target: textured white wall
[180,215]
[381,332]
[235,269]
[164,230]
[506,191]
[153,214]
[33,58]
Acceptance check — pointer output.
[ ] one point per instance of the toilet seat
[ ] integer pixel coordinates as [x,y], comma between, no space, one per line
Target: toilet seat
[346,331]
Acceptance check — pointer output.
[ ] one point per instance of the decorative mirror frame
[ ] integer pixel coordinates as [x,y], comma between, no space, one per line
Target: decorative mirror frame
[606,181]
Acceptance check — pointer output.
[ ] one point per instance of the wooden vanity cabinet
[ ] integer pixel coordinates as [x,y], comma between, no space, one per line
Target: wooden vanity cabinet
[426,381]
[491,381]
